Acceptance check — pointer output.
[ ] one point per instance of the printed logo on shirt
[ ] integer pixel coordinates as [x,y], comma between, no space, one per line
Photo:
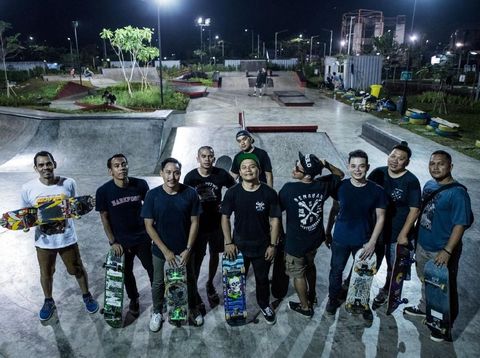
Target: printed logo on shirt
[206,192]
[427,214]
[396,194]
[126,199]
[310,209]
[260,206]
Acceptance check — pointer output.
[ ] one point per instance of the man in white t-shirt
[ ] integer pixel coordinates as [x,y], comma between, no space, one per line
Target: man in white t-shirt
[58,238]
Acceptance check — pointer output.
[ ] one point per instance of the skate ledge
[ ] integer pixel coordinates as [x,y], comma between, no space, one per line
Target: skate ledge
[379,137]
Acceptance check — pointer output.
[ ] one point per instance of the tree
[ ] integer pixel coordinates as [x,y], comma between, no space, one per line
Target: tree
[129,44]
[9,48]
[147,55]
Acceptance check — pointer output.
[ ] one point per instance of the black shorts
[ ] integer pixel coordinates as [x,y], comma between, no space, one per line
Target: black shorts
[214,240]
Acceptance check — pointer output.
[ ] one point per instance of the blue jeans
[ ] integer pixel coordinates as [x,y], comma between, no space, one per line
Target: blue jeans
[340,255]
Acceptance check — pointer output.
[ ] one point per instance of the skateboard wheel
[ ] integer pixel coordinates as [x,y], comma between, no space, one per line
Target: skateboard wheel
[245,314]
[356,269]
[227,316]
[225,271]
[242,270]
[374,271]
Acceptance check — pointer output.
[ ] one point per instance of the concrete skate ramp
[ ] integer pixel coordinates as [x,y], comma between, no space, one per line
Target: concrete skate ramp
[282,147]
[83,145]
[284,80]
[116,74]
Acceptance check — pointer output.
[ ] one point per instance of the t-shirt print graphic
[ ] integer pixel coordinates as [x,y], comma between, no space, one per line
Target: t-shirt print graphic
[309,212]
[56,227]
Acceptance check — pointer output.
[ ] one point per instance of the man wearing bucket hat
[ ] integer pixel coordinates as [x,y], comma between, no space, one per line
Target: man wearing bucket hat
[303,200]
[245,141]
[256,226]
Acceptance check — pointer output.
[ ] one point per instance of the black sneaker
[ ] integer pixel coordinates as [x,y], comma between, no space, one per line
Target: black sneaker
[367,314]
[312,298]
[212,295]
[295,306]
[201,308]
[414,311]
[134,306]
[380,299]
[269,315]
[332,306]
[436,336]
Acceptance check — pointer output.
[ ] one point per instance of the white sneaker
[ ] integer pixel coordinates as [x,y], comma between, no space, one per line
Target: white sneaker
[156,322]
[197,319]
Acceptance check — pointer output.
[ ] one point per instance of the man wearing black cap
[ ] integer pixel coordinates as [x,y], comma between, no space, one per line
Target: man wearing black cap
[245,141]
[403,192]
[303,202]
[256,226]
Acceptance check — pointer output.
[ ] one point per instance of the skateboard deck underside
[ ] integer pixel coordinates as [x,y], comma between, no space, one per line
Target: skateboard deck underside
[114,282]
[234,284]
[176,295]
[437,298]
[358,296]
[399,273]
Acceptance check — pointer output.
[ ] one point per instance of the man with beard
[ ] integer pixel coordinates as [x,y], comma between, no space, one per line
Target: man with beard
[119,202]
[445,215]
[403,193]
[58,238]
[256,226]
[208,182]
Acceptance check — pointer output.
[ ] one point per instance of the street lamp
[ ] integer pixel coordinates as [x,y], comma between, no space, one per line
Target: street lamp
[276,34]
[331,39]
[75,25]
[201,22]
[159,3]
[311,46]
[251,31]
[71,52]
[221,42]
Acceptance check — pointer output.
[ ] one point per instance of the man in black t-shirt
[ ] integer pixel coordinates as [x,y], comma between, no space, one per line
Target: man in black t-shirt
[208,181]
[404,193]
[245,142]
[303,201]
[119,202]
[256,227]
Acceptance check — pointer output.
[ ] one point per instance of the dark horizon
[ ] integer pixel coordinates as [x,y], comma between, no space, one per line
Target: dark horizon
[51,23]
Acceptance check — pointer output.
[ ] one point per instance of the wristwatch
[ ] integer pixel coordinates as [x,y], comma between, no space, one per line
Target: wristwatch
[188,248]
[273,245]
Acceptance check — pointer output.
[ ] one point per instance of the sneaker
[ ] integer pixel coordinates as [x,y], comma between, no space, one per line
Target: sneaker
[47,310]
[156,321]
[201,308]
[414,311]
[343,294]
[295,306]
[196,318]
[91,305]
[437,337]
[269,315]
[312,298]
[381,298]
[134,306]
[332,306]
[367,314]
[254,95]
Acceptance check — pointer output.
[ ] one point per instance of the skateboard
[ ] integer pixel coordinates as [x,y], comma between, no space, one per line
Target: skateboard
[114,282]
[399,273]
[358,296]
[437,295]
[47,213]
[234,290]
[224,162]
[176,295]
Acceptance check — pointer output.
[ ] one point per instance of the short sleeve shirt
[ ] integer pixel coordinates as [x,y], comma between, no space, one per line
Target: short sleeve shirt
[303,204]
[123,206]
[356,218]
[448,208]
[253,210]
[402,193]
[209,190]
[171,216]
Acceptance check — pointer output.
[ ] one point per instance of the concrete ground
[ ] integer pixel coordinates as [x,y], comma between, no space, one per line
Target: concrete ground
[212,120]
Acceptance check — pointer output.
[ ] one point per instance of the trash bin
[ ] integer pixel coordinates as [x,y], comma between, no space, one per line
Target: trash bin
[375,90]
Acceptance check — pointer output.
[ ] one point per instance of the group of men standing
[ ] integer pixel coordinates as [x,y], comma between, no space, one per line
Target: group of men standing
[173,223]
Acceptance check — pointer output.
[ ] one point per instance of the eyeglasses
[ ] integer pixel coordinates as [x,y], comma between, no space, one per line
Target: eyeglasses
[297,169]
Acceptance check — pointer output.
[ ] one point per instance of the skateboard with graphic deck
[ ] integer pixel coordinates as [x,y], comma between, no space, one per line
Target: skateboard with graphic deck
[401,266]
[437,297]
[234,284]
[47,213]
[176,295]
[358,296]
[114,283]
[224,162]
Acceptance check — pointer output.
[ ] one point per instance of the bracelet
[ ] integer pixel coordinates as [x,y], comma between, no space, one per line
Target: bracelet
[448,252]
[273,245]
[188,248]
[230,243]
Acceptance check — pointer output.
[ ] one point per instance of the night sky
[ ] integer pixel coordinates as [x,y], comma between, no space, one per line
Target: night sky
[49,21]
